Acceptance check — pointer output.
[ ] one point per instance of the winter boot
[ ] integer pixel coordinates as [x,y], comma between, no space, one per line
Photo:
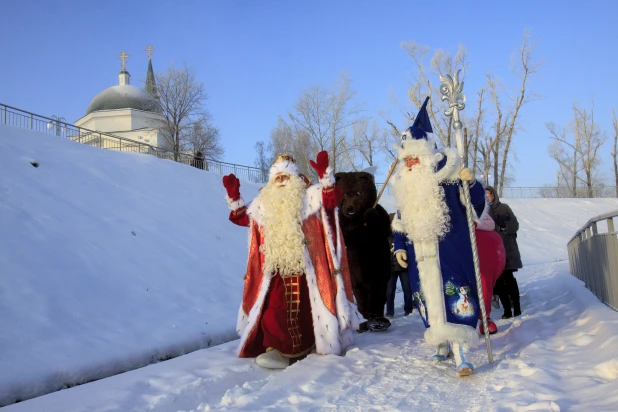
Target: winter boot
[443,352]
[363,327]
[495,303]
[464,368]
[378,324]
[491,326]
[272,359]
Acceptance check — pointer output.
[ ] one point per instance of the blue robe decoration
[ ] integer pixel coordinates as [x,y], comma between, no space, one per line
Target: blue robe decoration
[445,291]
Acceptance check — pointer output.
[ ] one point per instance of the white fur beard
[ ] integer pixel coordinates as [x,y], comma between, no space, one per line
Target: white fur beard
[284,249]
[420,199]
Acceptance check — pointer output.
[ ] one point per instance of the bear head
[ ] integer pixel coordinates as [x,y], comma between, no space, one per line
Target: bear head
[359,193]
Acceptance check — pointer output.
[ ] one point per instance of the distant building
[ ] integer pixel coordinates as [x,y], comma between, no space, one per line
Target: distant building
[126,111]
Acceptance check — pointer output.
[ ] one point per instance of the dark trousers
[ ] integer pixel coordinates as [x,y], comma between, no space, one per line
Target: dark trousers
[408,304]
[508,291]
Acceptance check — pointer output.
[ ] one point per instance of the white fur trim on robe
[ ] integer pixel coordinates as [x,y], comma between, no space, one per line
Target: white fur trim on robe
[234,204]
[347,312]
[327,179]
[439,331]
[246,322]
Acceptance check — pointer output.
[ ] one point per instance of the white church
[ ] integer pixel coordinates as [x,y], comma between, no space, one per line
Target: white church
[126,111]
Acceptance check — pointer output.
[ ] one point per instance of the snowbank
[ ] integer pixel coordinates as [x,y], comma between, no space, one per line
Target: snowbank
[108,261]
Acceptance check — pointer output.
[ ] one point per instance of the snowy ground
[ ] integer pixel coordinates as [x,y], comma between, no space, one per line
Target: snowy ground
[560,355]
[81,296]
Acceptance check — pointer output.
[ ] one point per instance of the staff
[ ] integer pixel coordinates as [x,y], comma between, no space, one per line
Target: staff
[451,90]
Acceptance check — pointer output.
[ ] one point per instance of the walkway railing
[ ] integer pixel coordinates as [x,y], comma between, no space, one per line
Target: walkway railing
[546,191]
[20,118]
[593,257]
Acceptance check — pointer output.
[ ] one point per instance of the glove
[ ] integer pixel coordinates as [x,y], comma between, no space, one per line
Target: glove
[232,186]
[466,175]
[321,163]
[402,258]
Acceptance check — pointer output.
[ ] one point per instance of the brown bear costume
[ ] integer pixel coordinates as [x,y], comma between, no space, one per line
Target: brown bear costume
[366,231]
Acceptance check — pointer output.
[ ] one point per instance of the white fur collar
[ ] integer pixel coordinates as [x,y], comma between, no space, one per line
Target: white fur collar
[450,171]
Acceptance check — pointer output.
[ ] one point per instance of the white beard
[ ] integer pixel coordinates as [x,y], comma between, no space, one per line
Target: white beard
[283,248]
[420,199]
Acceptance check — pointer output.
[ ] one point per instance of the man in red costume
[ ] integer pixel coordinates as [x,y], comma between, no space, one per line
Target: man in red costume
[298,294]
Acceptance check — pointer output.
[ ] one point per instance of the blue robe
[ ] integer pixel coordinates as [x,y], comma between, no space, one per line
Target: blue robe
[447,282]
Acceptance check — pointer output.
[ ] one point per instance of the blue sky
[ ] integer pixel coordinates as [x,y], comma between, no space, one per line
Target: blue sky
[254,57]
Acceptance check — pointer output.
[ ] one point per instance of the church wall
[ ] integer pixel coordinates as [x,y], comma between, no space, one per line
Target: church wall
[131,124]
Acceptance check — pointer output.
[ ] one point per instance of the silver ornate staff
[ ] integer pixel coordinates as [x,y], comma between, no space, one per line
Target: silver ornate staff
[451,90]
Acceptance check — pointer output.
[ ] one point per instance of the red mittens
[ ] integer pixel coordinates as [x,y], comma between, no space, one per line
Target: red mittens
[232,186]
[321,163]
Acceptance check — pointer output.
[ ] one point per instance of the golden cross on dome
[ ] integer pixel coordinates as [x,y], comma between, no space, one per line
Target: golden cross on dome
[149,49]
[123,56]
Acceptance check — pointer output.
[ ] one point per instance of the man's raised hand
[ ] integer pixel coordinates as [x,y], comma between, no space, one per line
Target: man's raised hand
[232,186]
[321,163]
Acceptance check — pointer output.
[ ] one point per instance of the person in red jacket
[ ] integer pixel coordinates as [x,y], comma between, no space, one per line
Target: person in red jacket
[492,259]
[298,294]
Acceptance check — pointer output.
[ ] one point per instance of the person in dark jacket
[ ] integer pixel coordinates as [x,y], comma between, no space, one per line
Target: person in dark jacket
[198,161]
[507,226]
[398,272]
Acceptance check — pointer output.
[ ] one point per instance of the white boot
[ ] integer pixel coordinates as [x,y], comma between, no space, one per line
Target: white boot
[273,359]
[464,368]
[443,352]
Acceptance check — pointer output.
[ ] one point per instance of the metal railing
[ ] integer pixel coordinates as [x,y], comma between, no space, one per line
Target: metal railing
[542,192]
[21,118]
[12,116]
[593,258]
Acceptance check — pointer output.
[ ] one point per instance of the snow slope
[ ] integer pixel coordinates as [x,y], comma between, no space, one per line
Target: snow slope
[108,261]
[82,296]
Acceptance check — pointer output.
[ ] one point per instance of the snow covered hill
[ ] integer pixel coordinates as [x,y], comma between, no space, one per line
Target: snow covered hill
[109,261]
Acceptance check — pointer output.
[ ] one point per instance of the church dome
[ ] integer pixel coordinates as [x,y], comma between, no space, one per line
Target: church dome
[123,96]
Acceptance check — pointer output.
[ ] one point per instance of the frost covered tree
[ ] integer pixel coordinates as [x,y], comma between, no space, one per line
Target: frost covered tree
[491,130]
[182,97]
[576,148]
[322,120]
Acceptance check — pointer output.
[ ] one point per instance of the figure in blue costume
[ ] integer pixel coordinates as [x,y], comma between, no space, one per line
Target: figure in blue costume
[432,240]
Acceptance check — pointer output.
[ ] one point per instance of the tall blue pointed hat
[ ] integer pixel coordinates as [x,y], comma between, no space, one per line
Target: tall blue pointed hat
[418,139]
